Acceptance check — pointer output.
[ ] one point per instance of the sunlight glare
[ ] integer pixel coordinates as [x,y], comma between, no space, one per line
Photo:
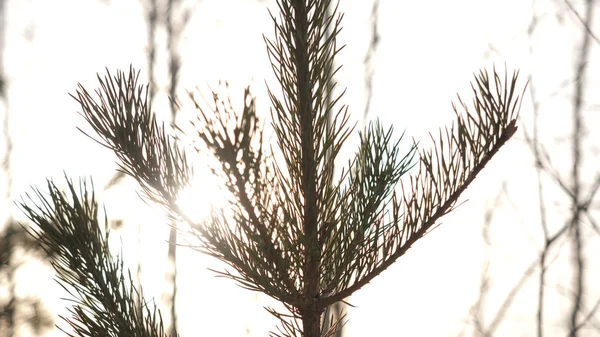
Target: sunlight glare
[203,194]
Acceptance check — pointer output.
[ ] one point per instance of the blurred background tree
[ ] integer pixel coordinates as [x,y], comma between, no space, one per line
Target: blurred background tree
[559,217]
[20,313]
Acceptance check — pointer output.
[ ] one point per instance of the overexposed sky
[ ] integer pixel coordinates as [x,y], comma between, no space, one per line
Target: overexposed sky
[427,53]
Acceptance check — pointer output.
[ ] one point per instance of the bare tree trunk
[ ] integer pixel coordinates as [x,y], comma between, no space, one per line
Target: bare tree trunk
[368,62]
[336,311]
[152,18]
[174,28]
[171,276]
[6,167]
[579,202]
[333,312]
[578,244]
[8,246]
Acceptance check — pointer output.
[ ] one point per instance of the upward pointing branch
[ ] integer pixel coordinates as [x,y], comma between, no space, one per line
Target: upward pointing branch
[310,313]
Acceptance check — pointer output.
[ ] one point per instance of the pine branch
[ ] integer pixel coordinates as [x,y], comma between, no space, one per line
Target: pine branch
[302,56]
[249,248]
[105,301]
[444,174]
[123,120]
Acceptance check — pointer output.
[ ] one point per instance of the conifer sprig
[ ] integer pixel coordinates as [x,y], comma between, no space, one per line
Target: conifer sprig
[459,154]
[106,302]
[122,118]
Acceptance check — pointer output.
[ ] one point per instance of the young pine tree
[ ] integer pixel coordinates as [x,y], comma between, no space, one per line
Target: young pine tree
[295,230]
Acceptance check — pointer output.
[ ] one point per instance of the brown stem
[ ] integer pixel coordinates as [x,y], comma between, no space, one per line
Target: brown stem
[311,314]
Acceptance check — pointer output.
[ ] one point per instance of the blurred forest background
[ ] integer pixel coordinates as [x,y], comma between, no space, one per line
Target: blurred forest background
[520,258]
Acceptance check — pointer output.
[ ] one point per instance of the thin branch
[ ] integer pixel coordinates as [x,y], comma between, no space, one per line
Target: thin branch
[584,22]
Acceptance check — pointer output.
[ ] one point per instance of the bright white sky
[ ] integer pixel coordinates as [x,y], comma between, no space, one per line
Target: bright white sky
[428,52]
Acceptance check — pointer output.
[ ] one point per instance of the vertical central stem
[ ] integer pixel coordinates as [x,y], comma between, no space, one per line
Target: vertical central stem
[309,310]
